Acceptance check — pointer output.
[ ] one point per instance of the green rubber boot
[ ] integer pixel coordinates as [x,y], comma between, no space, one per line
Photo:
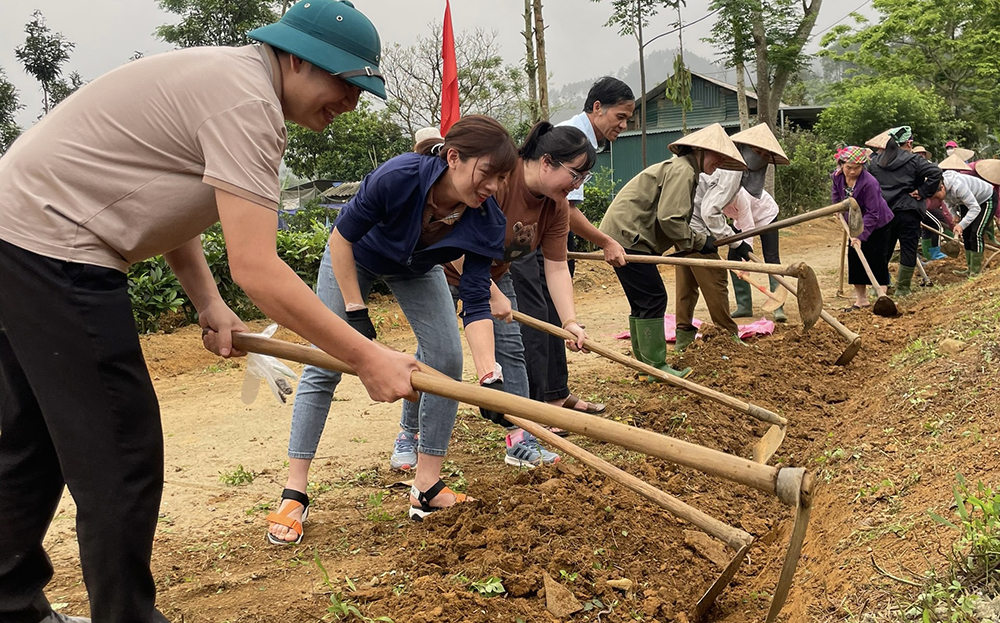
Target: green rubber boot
[975,263]
[653,347]
[779,314]
[925,248]
[684,339]
[968,264]
[903,279]
[744,297]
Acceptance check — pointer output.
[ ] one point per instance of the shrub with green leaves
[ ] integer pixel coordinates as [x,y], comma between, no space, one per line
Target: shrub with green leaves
[597,195]
[156,293]
[803,184]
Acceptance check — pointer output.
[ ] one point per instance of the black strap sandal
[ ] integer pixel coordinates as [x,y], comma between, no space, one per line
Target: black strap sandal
[418,513]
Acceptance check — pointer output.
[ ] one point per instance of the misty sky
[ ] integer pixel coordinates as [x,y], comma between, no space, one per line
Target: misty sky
[108,32]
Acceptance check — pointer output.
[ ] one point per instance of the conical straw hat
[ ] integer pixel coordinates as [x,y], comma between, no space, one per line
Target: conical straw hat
[954,163]
[964,154]
[920,149]
[879,141]
[761,136]
[713,138]
[989,170]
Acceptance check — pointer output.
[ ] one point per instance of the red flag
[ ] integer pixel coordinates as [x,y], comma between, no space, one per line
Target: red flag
[449,75]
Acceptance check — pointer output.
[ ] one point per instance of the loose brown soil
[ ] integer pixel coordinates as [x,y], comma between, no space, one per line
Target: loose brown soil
[884,437]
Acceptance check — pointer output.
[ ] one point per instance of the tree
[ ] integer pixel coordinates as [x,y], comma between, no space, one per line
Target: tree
[350,147]
[216,22]
[631,16]
[61,89]
[948,47]
[780,29]
[9,105]
[862,111]
[486,85]
[731,35]
[543,74]
[530,62]
[43,55]
[678,86]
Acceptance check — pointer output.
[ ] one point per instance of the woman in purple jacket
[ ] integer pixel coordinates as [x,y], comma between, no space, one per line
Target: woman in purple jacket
[853,180]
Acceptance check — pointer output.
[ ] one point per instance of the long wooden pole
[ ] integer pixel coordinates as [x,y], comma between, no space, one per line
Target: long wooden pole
[954,239]
[843,260]
[744,407]
[843,206]
[792,270]
[706,460]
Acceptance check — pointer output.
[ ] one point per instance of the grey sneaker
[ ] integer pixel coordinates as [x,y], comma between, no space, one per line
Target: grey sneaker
[404,452]
[523,450]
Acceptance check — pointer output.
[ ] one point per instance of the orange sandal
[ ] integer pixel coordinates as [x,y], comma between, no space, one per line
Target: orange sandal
[418,513]
[298,500]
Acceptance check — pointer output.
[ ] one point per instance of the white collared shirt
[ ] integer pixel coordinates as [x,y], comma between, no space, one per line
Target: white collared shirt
[582,123]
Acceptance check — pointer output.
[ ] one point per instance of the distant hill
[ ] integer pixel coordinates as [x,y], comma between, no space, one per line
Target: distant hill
[568,100]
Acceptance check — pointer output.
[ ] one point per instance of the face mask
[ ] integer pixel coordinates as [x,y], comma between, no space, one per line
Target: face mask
[949,151]
[753,177]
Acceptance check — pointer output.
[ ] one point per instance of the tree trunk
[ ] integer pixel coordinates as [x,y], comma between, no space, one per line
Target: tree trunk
[642,84]
[530,66]
[680,51]
[543,75]
[741,95]
[763,71]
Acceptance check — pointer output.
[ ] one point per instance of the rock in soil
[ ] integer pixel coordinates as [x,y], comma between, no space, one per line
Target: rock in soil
[707,547]
[559,600]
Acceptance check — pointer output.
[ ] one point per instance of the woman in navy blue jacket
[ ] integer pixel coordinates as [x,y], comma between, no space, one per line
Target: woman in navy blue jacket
[412,214]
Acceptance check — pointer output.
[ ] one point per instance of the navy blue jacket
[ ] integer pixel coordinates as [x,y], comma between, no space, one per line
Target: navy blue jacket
[383,222]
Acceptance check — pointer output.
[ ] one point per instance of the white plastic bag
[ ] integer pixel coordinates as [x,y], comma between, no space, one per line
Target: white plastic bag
[270,369]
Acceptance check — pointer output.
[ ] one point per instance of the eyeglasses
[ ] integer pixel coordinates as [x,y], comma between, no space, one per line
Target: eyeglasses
[579,179]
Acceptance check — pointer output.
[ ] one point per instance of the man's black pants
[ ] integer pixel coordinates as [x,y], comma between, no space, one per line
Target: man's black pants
[77,408]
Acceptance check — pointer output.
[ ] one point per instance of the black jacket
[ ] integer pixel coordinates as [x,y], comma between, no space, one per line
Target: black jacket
[902,174]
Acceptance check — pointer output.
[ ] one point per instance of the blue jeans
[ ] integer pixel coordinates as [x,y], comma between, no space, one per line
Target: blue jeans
[508,348]
[426,303]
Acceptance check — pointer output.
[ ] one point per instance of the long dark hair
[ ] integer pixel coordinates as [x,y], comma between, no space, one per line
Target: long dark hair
[475,136]
[562,143]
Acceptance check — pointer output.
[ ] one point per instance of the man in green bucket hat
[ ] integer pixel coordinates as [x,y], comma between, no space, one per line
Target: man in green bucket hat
[138,163]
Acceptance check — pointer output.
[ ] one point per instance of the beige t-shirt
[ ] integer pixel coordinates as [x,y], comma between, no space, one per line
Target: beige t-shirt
[127,167]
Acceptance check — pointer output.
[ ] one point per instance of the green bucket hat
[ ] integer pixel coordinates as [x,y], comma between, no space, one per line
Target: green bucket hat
[332,35]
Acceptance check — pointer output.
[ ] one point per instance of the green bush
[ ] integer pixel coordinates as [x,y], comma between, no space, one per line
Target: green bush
[864,108]
[308,215]
[156,293]
[803,184]
[597,195]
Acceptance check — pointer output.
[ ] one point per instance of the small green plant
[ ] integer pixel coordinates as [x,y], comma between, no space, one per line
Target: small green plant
[341,608]
[238,477]
[377,512]
[569,577]
[259,508]
[490,587]
[974,560]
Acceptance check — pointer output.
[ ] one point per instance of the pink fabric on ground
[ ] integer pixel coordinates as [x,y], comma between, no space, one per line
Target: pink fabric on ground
[758,327]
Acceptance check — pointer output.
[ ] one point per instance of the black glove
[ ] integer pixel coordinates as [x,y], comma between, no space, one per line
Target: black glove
[709,247]
[493,380]
[743,251]
[360,322]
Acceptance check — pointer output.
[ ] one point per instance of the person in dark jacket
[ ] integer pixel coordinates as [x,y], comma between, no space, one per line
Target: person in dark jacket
[907,181]
[852,180]
[412,214]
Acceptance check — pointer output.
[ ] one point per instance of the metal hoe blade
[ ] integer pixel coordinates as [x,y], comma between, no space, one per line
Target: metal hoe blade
[810,299]
[795,543]
[720,584]
[768,444]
